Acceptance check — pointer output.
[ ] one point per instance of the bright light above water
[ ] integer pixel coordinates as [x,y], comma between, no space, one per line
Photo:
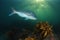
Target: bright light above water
[39,0]
[39,7]
[42,5]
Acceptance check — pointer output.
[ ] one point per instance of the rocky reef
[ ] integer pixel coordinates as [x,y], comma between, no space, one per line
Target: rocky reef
[40,32]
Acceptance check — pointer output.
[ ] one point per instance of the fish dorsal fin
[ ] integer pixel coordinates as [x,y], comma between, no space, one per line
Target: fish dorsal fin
[28,14]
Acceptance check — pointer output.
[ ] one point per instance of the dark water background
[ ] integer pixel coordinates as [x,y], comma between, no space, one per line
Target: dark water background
[7,23]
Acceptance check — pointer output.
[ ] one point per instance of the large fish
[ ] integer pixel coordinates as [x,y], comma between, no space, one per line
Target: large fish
[26,15]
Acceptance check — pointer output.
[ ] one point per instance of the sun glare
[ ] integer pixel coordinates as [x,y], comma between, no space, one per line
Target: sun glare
[39,0]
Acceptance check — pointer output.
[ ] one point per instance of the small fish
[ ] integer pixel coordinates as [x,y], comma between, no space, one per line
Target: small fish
[23,14]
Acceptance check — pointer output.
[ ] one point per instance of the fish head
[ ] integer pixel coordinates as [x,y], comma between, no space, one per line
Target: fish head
[32,17]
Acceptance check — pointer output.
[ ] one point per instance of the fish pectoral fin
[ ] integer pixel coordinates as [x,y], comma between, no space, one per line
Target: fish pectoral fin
[26,18]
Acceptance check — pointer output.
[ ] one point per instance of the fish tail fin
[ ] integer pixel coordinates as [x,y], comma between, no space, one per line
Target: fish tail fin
[13,12]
